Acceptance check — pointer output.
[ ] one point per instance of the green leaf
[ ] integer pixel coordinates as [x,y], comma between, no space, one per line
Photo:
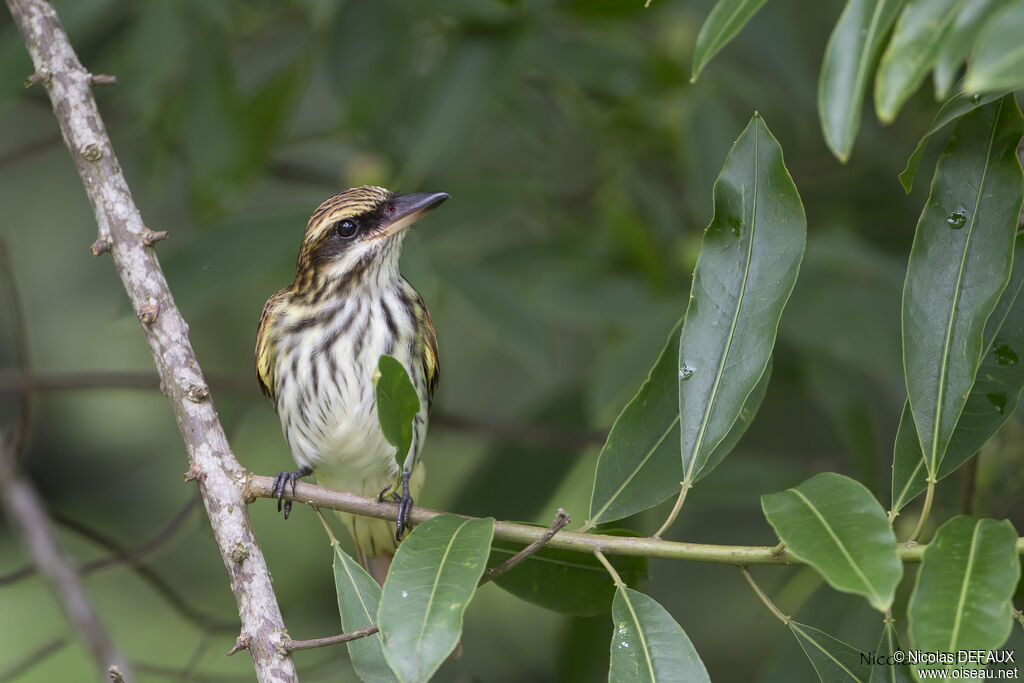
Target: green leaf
[832,659]
[994,395]
[957,105]
[565,581]
[962,596]
[431,581]
[745,272]
[851,54]
[834,524]
[726,19]
[648,644]
[915,45]
[358,598]
[959,41]
[739,427]
[959,265]
[397,404]
[998,62]
[885,669]
[639,464]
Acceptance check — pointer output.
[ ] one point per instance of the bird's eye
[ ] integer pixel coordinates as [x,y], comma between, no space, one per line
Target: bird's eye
[346,229]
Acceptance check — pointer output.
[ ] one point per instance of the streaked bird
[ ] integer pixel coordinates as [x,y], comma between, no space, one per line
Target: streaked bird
[318,345]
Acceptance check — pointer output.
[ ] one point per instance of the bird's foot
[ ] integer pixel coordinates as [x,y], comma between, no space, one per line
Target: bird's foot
[282,480]
[394,496]
[404,507]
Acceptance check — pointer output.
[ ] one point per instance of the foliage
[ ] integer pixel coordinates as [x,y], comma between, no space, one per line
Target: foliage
[581,165]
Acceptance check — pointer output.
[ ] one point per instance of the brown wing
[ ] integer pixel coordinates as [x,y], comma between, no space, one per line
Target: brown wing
[265,347]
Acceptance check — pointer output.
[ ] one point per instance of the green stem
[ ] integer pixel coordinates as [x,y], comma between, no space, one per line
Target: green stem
[257,486]
[686,486]
[611,570]
[764,598]
[925,511]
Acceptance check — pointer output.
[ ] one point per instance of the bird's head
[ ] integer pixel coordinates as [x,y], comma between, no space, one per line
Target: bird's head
[358,233]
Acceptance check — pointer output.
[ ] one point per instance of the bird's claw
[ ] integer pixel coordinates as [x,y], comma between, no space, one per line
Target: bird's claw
[380,496]
[404,507]
[282,480]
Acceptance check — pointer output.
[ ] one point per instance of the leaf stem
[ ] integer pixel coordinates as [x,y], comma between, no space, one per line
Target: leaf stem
[925,511]
[686,486]
[611,570]
[764,598]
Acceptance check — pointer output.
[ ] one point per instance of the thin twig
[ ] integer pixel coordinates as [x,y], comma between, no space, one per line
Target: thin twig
[258,486]
[121,228]
[764,597]
[19,334]
[296,645]
[27,514]
[539,436]
[611,570]
[561,520]
[37,656]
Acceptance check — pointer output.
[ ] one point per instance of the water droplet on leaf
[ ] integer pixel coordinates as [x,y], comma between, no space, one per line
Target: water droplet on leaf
[1004,354]
[957,219]
[685,372]
[735,224]
[998,400]
[976,97]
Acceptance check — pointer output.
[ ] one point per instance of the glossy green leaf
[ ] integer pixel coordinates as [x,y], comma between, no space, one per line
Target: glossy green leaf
[430,583]
[726,19]
[959,265]
[886,669]
[962,596]
[994,395]
[958,43]
[745,273]
[358,599]
[397,404]
[739,427]
[648,645]
[916,43]
[834,524]
[852,53]
[833,660]
[952,109]
[565,581]
[998,62]
[639,464]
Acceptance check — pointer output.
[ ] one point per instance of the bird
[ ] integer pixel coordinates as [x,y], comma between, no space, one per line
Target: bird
[318,345]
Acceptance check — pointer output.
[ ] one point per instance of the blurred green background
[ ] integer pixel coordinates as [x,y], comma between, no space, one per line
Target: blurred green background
[580,161]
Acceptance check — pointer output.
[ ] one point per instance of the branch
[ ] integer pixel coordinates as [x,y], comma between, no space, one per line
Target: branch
[122,232]
[258,486]
[538,436]
[561,519]
[28,516]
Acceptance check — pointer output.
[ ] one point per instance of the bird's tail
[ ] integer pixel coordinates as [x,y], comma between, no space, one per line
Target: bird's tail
[375,538]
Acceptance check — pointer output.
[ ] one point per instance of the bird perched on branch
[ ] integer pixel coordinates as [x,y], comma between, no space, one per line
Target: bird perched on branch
[318,345]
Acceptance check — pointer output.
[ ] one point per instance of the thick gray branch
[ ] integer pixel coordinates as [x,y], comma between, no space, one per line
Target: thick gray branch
[28,517]
[122,232]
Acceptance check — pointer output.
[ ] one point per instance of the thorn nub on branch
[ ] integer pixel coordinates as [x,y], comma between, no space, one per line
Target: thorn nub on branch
[148,314]
[115,674]
[37,77]
[194,472]
[102,79]
[149,237]
[92,152]
[100,246]
[197,393]
[242,643]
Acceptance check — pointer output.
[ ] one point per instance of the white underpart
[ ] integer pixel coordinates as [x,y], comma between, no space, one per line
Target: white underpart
[331,424]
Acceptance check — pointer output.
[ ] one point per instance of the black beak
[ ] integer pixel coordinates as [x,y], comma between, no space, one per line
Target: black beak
[405,209]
